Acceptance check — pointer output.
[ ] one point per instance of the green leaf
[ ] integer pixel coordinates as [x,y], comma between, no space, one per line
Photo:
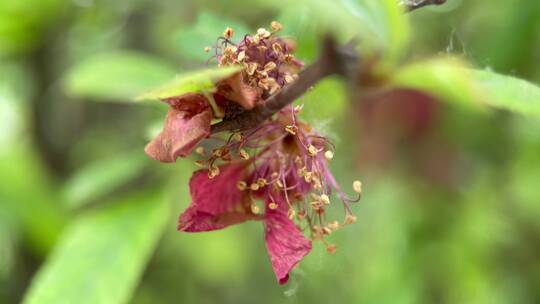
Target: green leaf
[101,177]
[450,80]
[444,78]
[380,25]
[193,39]
[102,254]
[508,92]
[198,81]
[116,76]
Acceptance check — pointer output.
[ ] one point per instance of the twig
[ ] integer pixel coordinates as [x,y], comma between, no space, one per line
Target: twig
[334,60]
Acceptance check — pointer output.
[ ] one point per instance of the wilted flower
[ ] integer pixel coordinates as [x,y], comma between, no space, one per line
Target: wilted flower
[282,162]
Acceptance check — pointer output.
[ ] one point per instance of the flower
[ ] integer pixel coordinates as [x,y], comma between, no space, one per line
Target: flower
[287,171]
[218,203]
[276,172]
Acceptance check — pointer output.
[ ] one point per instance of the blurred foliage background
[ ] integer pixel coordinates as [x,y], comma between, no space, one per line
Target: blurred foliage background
[451,209]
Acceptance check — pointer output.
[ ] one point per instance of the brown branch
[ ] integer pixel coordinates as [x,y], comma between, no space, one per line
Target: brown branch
[411,5]
[334,60]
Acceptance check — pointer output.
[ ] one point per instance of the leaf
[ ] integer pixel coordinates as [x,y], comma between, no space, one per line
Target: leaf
[508,92]
[101,177]
[29,196]
[380,25]
[198,81]
[102,254]
[450,80]
[208,27]
[116,76]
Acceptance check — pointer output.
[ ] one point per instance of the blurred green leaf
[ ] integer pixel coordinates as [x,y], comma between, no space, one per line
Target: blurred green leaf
[380,25]
[102,254]
[30,197]
[449,80]
[197,81]
[507,92]
[101,177]
[193,39]
[445,78]
[116,76]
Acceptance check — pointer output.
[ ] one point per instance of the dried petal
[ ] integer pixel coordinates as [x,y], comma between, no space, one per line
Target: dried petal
[235,89]
[181,134]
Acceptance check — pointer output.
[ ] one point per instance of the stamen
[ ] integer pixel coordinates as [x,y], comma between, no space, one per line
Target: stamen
[228,33]
[241,185]
[329,155]
[357,186]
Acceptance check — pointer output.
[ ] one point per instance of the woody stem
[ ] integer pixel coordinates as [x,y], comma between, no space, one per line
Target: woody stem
[334,60]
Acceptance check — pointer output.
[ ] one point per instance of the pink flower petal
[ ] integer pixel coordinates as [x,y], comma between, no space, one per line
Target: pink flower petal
[181,134]
[285,243]
[217,203]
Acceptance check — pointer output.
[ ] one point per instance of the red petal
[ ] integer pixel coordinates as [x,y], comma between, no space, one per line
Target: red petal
[217,203]
[234,88]
[285,243]
[181,133]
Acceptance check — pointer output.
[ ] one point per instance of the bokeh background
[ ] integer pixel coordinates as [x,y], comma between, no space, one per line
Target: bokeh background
[451,205]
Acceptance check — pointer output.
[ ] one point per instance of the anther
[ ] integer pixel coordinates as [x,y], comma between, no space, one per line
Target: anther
[350,219]
[272,206]
[291,213]
[243,154]
[312,150]
[329,155]
[276,26]
[241,185]
[254,187]
[357,186]
[200,150]
[228,33]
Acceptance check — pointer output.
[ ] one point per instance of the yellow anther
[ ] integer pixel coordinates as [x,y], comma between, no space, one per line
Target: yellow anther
[251,68]
[228,33]
[275,175]
[255,209]
[329,155]
[269,66]
[207,49]
[261,182]
[241,56]
[254,187]
[288,78]
[326,230]
[237,137]
[279,184]
[291,213]
[298,108]
[277,48]
[334,225]
[243,154]
[200,150]
[213,172]
[263,33]
[276,26]
[291,129]
[241,185]
[350,219]
[357,186]
[312,150]
[273,206]
[325,199]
